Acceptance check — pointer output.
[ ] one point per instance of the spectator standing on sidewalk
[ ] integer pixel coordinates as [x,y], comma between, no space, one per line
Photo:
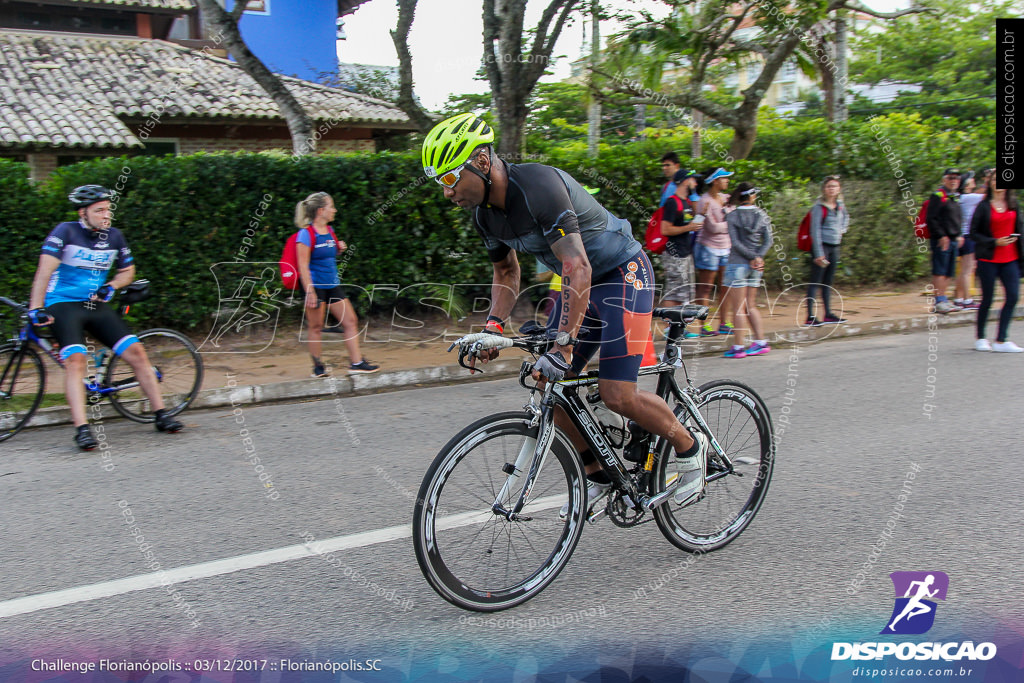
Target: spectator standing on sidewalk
[829,221]
[679,222]
[669,166]
[972,191]
[750,232]
[996,228]
[317,252]
[711,252]
[944,219]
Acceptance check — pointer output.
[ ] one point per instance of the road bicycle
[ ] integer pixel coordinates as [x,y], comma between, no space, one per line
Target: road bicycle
[502,507]
[178,366]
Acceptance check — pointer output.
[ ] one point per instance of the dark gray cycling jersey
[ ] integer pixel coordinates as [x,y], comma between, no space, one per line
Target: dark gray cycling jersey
[542,205]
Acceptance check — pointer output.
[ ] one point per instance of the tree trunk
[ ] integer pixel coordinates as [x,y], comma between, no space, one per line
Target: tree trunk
[407,101]
[828,83]
[744,135]
[594,115]
[841,112]
[300,126]
[695,141]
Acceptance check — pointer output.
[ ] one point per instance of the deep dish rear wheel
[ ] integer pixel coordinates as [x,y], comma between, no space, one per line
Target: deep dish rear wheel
[740,422]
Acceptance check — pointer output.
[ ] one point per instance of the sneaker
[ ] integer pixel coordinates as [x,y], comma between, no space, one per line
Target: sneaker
[982,345]
[319,370]
[84,438]
[692,472]
[363,367]
[735,353]
[756,349]
[595,492]
[1006,347]
[945,307]
[708,331]
[970,304]
[691,335]
[812,322]
[725,328]
[832,320]
[166,423]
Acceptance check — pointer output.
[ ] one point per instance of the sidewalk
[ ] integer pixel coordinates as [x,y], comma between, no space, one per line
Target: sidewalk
[245,371]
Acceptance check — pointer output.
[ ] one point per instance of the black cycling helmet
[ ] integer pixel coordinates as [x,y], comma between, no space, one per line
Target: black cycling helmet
[87,195]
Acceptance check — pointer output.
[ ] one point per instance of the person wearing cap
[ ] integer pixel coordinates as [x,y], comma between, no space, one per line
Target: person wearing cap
[945,220]
[669,167]
[678,223]
[711,252]
[972,191]
[70,292]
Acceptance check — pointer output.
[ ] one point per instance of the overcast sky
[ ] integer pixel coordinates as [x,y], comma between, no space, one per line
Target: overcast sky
[446,41]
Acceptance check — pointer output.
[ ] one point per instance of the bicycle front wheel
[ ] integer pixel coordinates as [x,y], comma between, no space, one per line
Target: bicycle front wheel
[179,368]
[480,560]
[22,383]
[739,420]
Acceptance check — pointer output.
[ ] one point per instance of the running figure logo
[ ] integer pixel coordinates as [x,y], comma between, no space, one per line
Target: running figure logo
[913,612]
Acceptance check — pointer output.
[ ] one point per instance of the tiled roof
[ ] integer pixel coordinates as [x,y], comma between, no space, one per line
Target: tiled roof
[183,5]
[72,90]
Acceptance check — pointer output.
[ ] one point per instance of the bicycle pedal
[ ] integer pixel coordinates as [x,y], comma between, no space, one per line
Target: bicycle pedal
[596,515]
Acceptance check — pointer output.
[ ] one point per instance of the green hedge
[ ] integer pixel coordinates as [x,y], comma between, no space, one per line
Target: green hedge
[182,215]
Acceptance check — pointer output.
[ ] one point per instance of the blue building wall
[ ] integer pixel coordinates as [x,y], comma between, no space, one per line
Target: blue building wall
[294,37]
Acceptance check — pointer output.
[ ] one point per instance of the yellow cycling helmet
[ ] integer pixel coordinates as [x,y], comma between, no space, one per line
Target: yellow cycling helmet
[449,144]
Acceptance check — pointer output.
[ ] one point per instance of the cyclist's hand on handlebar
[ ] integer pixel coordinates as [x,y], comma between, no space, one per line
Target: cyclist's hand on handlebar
[104,294]
[552,365]
[39,317]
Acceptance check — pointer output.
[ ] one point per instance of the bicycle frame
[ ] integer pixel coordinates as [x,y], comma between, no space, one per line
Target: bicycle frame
[565,393]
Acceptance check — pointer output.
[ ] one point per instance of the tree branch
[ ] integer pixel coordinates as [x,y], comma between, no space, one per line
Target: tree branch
[400,37]
[858,7]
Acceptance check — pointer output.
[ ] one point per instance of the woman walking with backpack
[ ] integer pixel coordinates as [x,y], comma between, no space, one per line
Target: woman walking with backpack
[317,251]
[829,220]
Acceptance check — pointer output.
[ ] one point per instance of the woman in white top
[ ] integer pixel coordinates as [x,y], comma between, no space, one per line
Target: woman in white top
[971,194]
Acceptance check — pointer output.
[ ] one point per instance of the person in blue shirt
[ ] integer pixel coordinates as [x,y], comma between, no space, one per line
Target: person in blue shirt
[670,165]
[70,293]
[318,271]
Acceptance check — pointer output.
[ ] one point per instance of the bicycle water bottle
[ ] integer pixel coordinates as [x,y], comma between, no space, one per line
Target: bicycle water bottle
[613,424]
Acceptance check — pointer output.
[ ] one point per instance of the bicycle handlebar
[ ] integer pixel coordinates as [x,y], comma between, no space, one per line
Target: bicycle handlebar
[473,344]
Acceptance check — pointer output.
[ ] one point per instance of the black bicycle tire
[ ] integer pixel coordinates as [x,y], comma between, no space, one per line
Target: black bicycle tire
[27,352]
[431,562]
[147,418]
[669,527]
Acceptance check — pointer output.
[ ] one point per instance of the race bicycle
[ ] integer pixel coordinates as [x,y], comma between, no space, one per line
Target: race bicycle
[178,366]
[502,507]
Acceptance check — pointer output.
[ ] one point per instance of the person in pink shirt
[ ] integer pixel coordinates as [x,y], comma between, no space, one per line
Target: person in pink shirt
[711,252]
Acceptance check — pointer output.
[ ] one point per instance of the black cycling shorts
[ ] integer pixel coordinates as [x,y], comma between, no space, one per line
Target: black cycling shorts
[330,295]
[72,319]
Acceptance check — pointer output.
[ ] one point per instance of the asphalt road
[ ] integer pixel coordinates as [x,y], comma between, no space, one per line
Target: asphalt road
[862,418]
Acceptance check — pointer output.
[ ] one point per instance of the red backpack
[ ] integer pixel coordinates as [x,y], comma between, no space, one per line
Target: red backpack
[803,233]
[656,242]
[920,223]
[289,263]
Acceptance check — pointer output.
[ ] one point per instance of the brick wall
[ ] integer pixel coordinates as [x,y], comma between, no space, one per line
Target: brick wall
[192,145]
[41,166]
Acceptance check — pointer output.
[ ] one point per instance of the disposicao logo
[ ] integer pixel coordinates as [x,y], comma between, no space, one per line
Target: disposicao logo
[914,613]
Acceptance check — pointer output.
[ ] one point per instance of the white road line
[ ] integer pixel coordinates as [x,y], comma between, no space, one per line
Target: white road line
[106,589]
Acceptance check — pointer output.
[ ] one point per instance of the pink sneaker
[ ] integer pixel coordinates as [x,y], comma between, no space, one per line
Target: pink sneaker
[756,349]
[736,353]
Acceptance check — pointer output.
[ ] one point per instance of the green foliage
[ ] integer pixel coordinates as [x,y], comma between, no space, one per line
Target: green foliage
[24,225]
[950,54]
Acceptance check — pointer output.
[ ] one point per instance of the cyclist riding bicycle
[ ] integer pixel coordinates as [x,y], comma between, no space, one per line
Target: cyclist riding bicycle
[70,293]
[607,280]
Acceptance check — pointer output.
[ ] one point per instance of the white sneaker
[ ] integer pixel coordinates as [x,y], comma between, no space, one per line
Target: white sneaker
[1006,347]
[595,492]
[982,345]
[692,471]
[945,307]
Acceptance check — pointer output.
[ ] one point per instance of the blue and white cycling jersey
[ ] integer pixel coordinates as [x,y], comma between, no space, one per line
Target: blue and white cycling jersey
[85,260]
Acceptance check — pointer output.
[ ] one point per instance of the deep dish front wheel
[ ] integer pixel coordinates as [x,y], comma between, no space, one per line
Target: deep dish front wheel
[740,422]
[179,368]
[22,383]
[480,560]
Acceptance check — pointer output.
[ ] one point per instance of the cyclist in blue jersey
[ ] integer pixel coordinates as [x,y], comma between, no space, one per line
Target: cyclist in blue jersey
[607,280]
[70,293]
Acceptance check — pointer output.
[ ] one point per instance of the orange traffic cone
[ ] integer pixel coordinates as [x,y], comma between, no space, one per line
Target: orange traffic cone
[650,356]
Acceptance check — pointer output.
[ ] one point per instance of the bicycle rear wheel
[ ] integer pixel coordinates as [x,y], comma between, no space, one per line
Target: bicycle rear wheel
[481,561]
[179,368]
[22,383]
[740,422]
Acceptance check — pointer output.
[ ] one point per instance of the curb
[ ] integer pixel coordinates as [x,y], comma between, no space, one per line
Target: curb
[354,385]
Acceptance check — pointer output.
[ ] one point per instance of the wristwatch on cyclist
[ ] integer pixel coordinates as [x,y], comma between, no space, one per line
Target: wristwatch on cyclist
[565,339]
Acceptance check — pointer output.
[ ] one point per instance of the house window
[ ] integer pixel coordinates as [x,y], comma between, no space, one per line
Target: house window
[788,71]
[159,148]
[753,71]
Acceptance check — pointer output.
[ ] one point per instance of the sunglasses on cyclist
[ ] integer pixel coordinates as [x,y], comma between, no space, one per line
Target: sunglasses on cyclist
[453,176]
